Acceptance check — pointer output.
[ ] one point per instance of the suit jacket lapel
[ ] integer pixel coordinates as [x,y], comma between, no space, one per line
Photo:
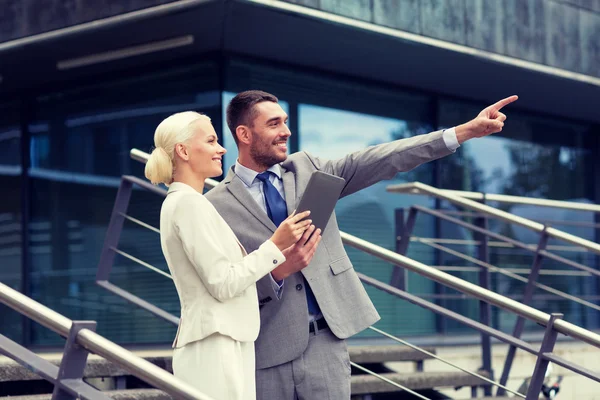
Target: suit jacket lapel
[237,188]
[289,188]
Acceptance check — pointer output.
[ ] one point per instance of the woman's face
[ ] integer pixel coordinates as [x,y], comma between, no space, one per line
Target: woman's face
[205,152]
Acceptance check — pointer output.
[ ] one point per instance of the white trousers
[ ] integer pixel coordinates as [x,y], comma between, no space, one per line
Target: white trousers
[218,366]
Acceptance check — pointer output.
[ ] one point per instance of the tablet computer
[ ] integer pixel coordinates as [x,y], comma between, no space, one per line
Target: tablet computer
[320,196]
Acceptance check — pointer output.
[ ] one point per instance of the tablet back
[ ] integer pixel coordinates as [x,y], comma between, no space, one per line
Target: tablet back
[321,194]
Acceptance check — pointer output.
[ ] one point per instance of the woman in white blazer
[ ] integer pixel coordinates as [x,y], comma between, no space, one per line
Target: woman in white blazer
[214,276]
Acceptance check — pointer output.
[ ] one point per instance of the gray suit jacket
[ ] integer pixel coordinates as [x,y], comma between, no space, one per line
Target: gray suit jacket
[341,296]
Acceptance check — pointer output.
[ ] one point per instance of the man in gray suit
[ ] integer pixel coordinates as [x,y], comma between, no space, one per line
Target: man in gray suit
[306,316]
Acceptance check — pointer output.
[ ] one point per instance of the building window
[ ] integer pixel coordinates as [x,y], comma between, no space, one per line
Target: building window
[80,143]
[10,215]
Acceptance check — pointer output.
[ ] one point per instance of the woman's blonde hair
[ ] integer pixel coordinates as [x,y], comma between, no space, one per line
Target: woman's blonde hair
[177,128]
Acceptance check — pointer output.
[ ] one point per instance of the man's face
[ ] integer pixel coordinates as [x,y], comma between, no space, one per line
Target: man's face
[269,134]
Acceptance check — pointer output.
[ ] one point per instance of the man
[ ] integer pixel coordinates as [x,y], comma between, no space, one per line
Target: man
[306,316]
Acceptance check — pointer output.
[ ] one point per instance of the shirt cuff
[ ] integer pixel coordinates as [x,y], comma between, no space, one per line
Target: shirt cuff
[450,139]
[277,286]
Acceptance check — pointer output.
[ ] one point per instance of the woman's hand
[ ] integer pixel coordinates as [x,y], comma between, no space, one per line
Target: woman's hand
[291,230]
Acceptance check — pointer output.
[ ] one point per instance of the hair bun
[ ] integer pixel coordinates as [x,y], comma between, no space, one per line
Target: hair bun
[159,167]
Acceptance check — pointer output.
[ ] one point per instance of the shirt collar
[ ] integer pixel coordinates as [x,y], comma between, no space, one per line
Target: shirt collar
[177,186]
[248,176]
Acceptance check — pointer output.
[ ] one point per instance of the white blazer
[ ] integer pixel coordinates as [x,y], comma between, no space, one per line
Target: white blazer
[214,276]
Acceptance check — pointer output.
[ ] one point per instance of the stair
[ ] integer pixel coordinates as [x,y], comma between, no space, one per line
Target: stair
[129,394]
[371,356]
[364,384]
[100,368]
[386,353]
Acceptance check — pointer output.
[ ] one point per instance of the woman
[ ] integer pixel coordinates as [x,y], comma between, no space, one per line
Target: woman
[214,277]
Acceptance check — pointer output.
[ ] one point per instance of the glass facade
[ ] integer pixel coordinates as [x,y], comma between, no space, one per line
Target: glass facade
[78,143]
[536,156]
[11,214]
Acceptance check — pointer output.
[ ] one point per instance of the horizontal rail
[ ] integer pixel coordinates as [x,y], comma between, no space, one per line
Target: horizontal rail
[478,292]
[48,371]
[493,268]
[140,223]
[522,271]
[492,243]
[420,188]
[430,354]
[577,224]
[516,243]
[383,378]
[504,337]
[97,344]
[139,302]
[140,262]
[504,198]
[488,296]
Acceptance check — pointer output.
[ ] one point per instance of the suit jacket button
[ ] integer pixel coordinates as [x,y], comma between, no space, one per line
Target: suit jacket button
[299,286]
[274,261]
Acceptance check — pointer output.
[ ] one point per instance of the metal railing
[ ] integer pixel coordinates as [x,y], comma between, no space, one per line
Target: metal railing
[81,338]
[553,323]
[483,213]
[119,216]
[421,188]
[508,199]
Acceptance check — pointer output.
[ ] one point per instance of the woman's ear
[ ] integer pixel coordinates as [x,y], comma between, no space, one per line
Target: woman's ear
[181,151]
[243,134]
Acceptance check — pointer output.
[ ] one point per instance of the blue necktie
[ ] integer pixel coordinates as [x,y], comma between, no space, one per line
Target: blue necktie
[277,211]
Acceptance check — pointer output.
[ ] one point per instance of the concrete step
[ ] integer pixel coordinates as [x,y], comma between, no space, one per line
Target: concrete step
[130,394]
[361,384]
[98,367]
[386,353]
[364,384]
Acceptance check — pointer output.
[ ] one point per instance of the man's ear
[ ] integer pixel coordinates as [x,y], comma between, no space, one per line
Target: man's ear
[181,151]
[243,134]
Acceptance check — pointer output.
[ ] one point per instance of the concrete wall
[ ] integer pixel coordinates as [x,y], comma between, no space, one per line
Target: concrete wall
[19,18]
[560,33]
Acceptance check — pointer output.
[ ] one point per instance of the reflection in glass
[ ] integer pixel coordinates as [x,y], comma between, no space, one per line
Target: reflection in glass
[369,214]
[79,150]
[532,157]
[10,215]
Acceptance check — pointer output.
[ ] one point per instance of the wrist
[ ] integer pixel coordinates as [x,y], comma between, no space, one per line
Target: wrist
[278,274]
[463,132]
[276,243]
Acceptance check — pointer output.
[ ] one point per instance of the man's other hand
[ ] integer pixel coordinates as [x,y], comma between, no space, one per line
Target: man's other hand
[490,120]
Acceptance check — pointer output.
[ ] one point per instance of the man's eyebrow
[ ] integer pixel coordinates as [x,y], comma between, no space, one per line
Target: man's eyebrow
[276,119]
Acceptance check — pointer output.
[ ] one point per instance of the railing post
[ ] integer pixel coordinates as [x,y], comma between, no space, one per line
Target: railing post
[528,295]
[73,362]
[113,233]
[541,365]
[485,310]
[403,231]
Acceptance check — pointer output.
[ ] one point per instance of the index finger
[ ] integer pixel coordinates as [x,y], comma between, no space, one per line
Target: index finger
[299,217]
[504,102]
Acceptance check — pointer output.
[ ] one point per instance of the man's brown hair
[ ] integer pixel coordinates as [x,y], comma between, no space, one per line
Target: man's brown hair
[241,110]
